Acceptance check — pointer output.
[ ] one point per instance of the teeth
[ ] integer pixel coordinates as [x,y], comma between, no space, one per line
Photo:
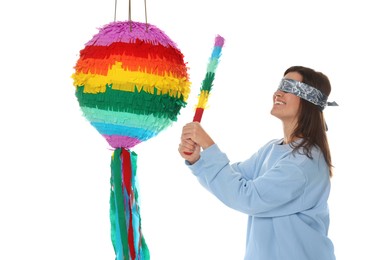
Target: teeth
[279,103]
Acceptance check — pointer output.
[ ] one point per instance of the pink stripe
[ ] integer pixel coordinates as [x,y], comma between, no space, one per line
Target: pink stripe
[118,141]
[120,32]
[219,41]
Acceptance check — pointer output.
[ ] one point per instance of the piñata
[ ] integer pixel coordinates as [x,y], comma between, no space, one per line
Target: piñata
[131,82]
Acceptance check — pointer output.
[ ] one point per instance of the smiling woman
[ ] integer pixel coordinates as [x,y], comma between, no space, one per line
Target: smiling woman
[286,105]
[284,187]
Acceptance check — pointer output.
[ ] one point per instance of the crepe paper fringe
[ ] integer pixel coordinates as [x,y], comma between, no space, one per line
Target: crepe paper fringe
[126,235]
[109,34]
[133,81]
[209,78]
[137,56]
[131,84]
[140,103]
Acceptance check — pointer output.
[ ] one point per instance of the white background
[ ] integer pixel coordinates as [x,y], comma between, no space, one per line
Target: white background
[55,167]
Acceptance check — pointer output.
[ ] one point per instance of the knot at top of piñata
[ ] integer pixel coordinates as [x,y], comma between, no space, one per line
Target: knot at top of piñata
[131,82]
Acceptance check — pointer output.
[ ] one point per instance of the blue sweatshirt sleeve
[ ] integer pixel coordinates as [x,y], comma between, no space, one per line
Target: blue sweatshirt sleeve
[277,192]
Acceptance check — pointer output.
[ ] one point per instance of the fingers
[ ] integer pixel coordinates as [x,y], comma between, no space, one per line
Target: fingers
[192,131]
[187,145]
[191,153]
[193,138]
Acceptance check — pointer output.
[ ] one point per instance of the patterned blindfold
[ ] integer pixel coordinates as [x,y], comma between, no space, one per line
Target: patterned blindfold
[306,92]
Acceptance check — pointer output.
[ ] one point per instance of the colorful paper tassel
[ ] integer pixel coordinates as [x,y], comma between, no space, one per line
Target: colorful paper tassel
[126,234]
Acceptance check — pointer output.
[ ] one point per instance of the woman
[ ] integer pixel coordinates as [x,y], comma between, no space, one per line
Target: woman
[284,186]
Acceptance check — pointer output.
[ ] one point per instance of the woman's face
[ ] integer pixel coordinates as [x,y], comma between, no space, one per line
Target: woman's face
[286,105]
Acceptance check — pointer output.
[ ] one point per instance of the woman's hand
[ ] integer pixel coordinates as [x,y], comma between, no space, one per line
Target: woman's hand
[193,138]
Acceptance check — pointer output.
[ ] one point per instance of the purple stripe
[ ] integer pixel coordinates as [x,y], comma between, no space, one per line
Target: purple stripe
[120,32]
[118,141]
[219,41]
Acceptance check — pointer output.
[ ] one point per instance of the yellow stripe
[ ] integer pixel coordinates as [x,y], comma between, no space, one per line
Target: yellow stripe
[120,80]
[202,99]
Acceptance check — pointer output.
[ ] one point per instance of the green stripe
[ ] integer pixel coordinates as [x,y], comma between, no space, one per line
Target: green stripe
[212,67]
[208,81]
[141,103]
[113,216]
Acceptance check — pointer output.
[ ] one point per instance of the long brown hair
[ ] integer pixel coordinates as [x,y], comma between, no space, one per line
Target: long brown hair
[311,123]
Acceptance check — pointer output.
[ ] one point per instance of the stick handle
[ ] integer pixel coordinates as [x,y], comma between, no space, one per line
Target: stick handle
[198,115]
[208,80]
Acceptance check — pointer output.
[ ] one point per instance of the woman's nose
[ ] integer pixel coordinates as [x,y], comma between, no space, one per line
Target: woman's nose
[278,93]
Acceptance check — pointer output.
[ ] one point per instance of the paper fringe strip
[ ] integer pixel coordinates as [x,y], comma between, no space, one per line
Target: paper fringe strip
[209,78]
[126,235]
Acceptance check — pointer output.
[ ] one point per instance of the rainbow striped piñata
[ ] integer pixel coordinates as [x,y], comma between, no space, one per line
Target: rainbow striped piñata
[130,84]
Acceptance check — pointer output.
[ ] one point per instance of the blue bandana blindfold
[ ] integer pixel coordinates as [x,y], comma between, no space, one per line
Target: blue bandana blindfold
[306,92]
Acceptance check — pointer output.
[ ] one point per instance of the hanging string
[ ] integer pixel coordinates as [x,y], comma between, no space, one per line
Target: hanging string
[146,14]
[146,17]
[130,14]
[115,11]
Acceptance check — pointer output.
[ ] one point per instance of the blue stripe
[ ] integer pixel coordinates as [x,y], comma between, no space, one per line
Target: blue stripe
[216,52]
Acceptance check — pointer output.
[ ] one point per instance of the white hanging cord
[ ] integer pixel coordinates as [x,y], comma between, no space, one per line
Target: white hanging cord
[115,11]
[146,14]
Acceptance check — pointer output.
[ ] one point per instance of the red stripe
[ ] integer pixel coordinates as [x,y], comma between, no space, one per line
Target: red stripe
[198,114]
[127,179]
[153,59]
[130,235]
[126,169]
[137,49]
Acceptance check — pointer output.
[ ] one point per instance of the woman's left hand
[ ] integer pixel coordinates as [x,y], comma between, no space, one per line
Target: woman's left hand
[193,138]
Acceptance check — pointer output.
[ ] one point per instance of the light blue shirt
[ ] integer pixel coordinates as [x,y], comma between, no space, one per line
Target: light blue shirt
[284,195]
